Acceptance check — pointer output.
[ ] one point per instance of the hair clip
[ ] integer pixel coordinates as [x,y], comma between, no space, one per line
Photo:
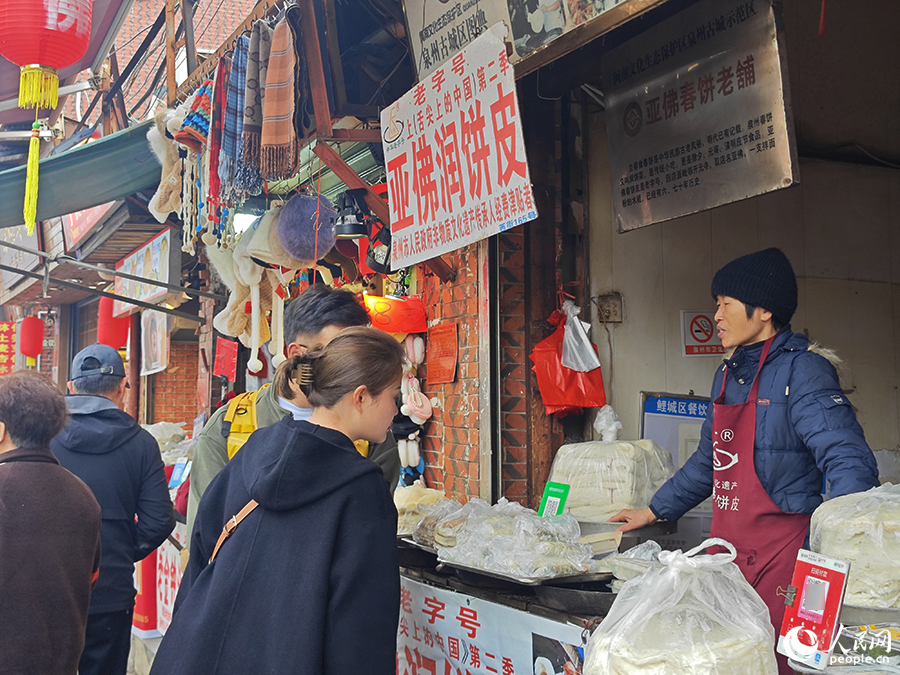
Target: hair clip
[303,375]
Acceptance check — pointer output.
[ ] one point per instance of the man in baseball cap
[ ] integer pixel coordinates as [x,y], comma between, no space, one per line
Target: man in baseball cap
[120,462]
[778,423]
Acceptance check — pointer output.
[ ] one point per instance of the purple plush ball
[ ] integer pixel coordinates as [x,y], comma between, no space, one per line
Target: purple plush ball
[297,226]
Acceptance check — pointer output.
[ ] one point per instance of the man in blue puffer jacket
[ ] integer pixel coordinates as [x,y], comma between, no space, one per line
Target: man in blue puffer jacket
[778,406]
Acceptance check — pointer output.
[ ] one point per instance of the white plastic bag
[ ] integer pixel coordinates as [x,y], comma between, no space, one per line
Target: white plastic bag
[605,478]
[694,615]
[577,350]
[864,528]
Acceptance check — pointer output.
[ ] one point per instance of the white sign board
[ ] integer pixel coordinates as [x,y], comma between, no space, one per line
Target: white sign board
[168,577]
[698,333]
[698,112]
[155,261]
[456,163]
[442,631]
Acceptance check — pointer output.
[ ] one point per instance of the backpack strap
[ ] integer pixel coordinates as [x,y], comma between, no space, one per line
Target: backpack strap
[231,526]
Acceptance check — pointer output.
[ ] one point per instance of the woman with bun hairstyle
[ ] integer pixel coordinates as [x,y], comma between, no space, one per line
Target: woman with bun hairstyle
[308,581]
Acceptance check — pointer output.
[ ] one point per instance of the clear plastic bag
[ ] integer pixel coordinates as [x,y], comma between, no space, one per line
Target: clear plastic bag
[423,532]
[863,528]
[694,615]
[578,352]
[605,478]
[646,553]
[411,502]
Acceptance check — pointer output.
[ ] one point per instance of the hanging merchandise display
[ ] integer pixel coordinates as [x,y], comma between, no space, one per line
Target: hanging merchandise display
[284,106]
[31,339]
[111,330]
[168,195]
[42,36]
[305,226]
[216,213]
[249,177]
[233,123]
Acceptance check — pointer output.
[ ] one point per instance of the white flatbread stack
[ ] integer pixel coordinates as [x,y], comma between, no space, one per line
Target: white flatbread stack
[863,528]
[605,478]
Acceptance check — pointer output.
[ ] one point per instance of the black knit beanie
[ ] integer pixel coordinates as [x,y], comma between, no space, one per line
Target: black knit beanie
[765,279]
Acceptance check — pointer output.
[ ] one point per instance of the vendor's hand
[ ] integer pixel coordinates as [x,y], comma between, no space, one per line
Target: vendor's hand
[634,518]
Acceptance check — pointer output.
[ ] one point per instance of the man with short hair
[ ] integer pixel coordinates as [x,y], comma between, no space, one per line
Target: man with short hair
[49,534]
[310,321]
[121,464]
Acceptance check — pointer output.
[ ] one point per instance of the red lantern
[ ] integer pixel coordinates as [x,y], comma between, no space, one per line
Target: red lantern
[42,36]
[31,338]
[111,330]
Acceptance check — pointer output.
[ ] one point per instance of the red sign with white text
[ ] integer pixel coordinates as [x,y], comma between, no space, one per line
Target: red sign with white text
[456,164]
[7,347]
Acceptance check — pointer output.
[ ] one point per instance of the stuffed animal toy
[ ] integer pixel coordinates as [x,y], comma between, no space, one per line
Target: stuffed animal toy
[298,225]
[168,195]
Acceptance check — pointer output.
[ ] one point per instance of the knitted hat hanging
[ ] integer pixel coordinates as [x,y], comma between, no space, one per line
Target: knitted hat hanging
[41,36]
[195,128]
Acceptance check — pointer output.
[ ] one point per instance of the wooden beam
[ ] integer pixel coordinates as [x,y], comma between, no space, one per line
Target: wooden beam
[334,55]
[171,82]
[355,135]
[117,100]
[376,204]
[317,87]
[187,17]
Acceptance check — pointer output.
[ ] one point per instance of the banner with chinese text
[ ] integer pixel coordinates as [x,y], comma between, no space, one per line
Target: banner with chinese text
[698,113]
[7,346]
[456,163]
[442,631]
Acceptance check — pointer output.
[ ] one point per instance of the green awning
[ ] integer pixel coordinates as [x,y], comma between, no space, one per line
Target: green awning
[101,171]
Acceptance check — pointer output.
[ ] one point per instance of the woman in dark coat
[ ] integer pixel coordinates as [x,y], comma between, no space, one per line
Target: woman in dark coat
[308,582]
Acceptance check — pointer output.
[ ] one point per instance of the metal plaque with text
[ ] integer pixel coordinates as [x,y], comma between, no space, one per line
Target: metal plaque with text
[698,112]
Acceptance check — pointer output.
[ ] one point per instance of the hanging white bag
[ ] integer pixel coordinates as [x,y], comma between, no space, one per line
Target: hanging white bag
[578,351]
[693,615]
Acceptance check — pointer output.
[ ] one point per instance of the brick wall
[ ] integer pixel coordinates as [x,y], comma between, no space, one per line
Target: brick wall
[513,359]
[175,396]
[451,437]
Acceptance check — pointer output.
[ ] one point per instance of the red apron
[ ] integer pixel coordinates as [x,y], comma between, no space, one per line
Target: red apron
[766,538]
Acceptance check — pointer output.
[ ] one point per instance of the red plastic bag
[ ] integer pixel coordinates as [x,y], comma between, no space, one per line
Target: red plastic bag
[564,390]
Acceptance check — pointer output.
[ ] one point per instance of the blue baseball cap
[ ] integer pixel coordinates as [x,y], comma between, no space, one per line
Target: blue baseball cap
[108,358]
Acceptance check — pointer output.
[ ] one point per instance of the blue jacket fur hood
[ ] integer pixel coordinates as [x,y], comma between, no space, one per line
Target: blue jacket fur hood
[121,464]
[309,581]
[805,428]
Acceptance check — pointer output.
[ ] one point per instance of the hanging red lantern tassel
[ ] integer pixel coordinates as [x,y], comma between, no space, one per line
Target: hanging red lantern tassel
[31,339]
[111,330]
[41,36]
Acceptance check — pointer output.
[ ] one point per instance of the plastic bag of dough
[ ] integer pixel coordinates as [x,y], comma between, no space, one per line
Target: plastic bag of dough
[605,478]
[452,524]
[409,501]
[864,528]
[423,532]
[694,615]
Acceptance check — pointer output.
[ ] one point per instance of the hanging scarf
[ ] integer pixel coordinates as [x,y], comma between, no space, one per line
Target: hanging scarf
[278,154]
[220,91]
[302,107]
[233,119]
[255,91]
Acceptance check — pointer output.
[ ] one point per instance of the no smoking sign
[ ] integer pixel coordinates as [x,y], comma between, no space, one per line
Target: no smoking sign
[698,330]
